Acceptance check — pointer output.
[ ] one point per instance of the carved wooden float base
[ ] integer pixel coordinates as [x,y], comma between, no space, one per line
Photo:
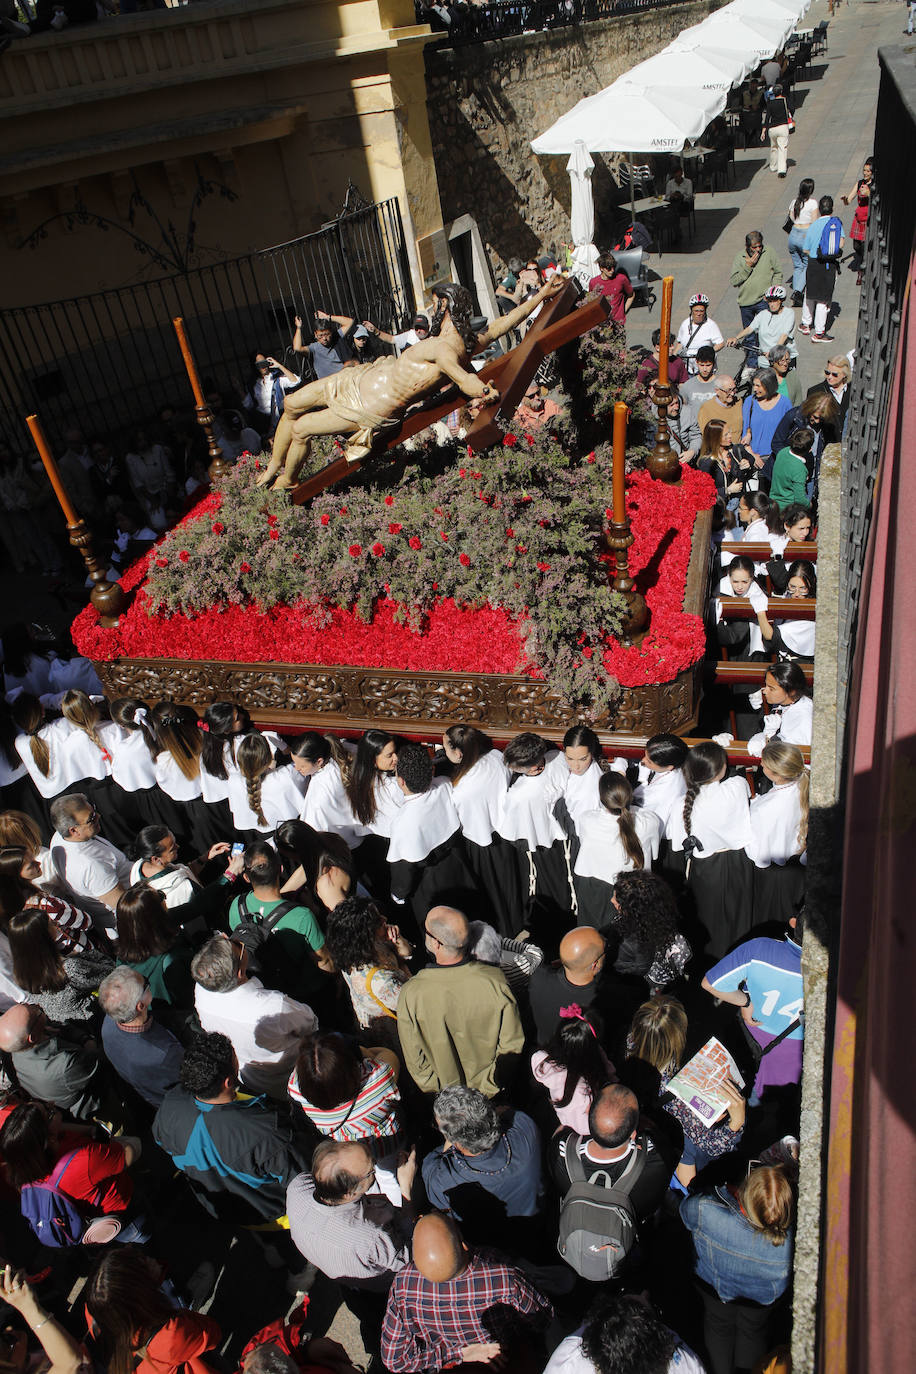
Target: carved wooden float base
[300,696]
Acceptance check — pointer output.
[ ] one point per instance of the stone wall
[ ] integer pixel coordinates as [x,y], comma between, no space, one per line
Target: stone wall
[487,101]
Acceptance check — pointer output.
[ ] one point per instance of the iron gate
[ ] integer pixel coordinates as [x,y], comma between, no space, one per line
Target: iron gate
[109,361]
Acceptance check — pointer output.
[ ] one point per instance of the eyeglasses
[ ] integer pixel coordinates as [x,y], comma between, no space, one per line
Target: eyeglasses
[832,372]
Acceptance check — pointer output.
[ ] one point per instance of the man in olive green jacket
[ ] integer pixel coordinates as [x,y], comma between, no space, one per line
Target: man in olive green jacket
[458,1021]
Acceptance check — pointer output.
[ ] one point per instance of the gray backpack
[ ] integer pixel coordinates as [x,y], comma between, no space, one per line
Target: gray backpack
[597,1222]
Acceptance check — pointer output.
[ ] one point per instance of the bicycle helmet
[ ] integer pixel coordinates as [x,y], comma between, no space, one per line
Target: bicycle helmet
[699,299]
[775,293]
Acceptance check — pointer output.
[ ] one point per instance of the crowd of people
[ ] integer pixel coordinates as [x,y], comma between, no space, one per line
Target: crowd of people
[408,1016]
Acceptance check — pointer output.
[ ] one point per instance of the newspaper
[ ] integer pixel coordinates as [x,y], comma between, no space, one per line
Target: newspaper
[697,1083]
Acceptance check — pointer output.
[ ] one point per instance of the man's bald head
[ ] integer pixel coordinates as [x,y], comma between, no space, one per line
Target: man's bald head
[614,1116]
[16,1027]
[581,950]
[448,929]
[438,1250]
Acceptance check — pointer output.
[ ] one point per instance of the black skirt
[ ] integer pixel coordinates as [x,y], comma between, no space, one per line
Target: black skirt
[496,871]
[545,876]
[23,795]
[594,898]
[778,891]
[722,887]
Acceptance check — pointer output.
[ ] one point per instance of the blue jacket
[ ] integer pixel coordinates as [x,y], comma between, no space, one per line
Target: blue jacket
[731,1255]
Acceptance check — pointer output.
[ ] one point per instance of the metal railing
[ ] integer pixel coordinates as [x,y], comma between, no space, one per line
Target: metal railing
[504,18]
[889,244]
[108,362]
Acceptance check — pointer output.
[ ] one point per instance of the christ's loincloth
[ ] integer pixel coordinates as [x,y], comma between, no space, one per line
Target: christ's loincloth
[357,394]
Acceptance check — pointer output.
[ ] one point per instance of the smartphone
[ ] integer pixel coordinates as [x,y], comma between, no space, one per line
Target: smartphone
[237,848]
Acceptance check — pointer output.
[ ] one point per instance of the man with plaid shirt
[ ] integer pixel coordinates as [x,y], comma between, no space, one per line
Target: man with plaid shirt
[454,1306]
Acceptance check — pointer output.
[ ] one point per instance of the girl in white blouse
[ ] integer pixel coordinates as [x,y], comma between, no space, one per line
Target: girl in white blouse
[261,794]
[479,781]
[323,762]
[179,742]
[527,818]
[713,829]
[791,715]
[132,746]
[40,746]
[616,838]
[577,770]
[779,834]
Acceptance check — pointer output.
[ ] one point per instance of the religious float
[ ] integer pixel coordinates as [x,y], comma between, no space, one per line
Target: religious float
[498,580]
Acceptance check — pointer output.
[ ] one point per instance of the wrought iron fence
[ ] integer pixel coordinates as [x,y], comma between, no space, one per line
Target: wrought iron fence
[109,361]
[889,246]
[503,18]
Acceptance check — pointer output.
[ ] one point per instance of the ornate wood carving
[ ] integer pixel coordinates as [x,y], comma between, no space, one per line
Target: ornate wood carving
[301,696]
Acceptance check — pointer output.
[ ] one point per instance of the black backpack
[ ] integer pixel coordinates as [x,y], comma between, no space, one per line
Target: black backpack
[253,933]
[598,1225]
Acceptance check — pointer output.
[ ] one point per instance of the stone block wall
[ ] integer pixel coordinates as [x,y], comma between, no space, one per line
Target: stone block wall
[487,101]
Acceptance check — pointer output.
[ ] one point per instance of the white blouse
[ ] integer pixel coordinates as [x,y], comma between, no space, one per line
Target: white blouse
[526,809]
[661,793]
[281,799]
[82,758]
[721,818]
[477,797]
[327,806]
[775,818]
[53,735]
[602,853]
[793,724]
[132,764]
[424,822]
[579,790]
[388,801]
[173,782]
[212,788]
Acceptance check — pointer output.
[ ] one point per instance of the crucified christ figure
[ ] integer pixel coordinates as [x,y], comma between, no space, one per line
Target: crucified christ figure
[363,402]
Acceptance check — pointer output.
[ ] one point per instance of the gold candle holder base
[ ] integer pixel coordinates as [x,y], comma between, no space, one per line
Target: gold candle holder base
[108,598]
[636,624]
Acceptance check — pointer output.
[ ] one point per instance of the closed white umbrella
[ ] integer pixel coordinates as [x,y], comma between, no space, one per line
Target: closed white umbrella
[771,10]
[582,214]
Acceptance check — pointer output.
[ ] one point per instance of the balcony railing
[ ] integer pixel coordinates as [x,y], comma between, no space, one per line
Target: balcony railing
[459,24]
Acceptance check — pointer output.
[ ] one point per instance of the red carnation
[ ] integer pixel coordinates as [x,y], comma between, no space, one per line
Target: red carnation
[184,556]
[462,472]
[162,562]
[275,534]
[543,567]
[218,528]
[343,510]
[245,568]
[443,536]
[415,543]
[395,528]
[608,513]
[389,500]
[510,534]
[587,653]
[271,520]
[464,560]
[590,458]
[521,548]
[510,441]
[355,550]
[378,549]
[530,439]
[325,520]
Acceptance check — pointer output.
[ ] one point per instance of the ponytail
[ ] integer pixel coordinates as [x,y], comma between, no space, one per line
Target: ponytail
[317,748]
[178,734]
[83,714]
[132,715]
[254,758]
[471,744]
[616,795]
[787,763]
[29,715]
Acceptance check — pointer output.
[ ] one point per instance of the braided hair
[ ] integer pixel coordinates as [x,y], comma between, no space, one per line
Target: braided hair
[254,759]
[703,765]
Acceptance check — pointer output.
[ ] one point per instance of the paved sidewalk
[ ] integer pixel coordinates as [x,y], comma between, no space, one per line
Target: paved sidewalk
[835,114]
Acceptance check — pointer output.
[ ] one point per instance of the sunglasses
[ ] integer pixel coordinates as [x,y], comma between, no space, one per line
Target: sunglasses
[831,372]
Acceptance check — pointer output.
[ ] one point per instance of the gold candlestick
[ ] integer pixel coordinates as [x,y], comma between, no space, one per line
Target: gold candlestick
[663,462]
[218,468]
[620,537]
[107,597]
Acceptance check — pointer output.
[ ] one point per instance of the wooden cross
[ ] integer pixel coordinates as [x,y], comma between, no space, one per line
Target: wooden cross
[511,373]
